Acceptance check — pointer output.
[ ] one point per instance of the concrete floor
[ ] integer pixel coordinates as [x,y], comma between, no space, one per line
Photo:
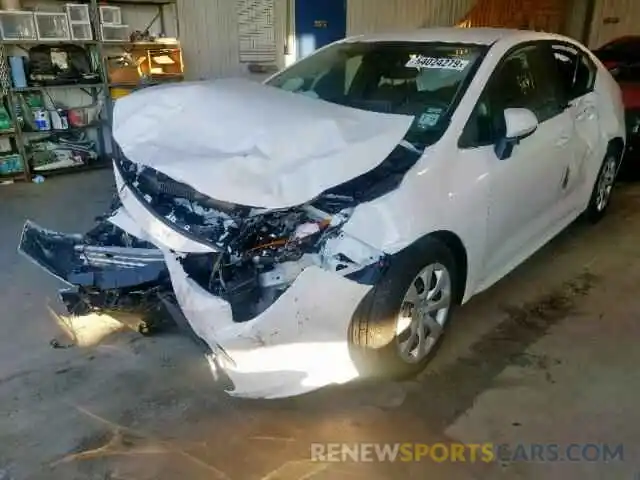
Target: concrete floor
[547,356]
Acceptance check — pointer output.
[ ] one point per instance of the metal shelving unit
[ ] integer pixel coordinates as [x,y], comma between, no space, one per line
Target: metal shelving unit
[97,91]
[36,88]
[39,42]
[97,124]
[147,83]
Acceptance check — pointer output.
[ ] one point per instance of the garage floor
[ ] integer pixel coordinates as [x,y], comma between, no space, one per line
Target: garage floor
[548,356]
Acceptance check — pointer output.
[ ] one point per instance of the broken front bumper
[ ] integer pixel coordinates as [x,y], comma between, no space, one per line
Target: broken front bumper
[107,271]
[104,267]
[298,344]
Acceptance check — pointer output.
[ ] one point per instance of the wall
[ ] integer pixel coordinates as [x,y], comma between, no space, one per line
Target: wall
[541,15]
[367,16]
[575,21]
[208,34]
[612,19]
[567,16]
[209,30]
[209,37]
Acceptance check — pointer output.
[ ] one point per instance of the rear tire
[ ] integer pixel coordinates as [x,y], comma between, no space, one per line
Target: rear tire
[602,189]
[398,327]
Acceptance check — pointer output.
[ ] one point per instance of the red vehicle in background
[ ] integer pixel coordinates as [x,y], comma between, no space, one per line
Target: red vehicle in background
[622,57]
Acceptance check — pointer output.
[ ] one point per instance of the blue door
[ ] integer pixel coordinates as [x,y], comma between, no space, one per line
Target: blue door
[319,22]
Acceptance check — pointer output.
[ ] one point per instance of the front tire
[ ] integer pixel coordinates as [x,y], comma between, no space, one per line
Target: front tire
[398,327]
[602,189]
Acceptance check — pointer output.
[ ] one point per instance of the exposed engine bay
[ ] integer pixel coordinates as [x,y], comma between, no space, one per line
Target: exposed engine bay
[255,253]
[258,253]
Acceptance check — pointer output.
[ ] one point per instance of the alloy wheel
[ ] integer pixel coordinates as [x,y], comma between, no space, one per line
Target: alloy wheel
[423,313]
[605,183]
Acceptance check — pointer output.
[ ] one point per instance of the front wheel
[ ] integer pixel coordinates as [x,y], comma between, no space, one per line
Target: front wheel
[601,195]
[398,327]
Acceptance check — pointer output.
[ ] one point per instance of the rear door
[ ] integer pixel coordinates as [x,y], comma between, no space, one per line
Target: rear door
[577,75]
[613,19]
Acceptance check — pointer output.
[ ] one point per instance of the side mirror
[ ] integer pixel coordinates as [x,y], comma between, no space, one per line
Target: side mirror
[520,123]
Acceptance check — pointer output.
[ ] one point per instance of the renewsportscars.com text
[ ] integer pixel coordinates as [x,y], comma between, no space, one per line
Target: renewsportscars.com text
[466,452]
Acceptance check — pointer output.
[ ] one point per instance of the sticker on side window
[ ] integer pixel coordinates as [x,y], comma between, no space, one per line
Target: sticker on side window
[420,61]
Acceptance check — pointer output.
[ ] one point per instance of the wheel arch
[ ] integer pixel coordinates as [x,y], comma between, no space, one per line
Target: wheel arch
[457,247]
[372,327]
[616,145]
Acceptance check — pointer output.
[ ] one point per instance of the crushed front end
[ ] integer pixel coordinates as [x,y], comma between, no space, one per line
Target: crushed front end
[248,219]
[270,292]
[246,255]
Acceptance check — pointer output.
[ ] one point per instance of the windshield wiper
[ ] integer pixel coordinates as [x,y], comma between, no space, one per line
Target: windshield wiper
[411,147]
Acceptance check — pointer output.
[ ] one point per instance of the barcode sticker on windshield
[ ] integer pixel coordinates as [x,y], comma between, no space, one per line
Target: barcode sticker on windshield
[427,120]
[420,61]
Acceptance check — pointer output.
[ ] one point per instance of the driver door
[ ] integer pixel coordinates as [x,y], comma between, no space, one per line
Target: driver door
[525,187]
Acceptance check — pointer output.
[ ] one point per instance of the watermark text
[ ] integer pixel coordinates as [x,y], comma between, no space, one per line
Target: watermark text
[466,452]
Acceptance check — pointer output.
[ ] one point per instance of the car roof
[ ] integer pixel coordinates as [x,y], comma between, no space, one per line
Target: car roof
[479,36]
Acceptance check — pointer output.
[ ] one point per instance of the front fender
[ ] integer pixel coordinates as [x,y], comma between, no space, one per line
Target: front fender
[452,197]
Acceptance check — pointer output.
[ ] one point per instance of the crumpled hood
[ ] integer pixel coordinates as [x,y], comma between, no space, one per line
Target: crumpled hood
[250,144]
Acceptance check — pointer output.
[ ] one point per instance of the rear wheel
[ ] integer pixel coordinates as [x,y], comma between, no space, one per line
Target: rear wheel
[601,195]
[398,327]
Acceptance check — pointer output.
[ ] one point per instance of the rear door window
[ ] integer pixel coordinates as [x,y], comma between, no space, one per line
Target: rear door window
[576,71]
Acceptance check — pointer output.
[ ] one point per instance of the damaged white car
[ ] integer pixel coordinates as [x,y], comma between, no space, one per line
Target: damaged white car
[324,225]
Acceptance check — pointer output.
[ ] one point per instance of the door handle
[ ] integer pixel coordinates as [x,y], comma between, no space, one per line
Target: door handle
[563,140]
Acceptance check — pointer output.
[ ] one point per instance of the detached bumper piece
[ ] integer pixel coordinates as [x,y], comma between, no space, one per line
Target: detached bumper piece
[73,260]
[107,269]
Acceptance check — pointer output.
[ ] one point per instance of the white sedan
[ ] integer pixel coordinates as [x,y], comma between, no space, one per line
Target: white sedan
[324,225]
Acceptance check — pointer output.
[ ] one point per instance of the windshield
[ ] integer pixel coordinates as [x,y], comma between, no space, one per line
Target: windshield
[424,80]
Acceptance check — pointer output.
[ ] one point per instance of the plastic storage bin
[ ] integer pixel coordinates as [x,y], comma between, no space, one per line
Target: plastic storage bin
[79,21]
[16,25]
[81,31]
[115,33]
[78,13]
[110,15]
[52,26]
